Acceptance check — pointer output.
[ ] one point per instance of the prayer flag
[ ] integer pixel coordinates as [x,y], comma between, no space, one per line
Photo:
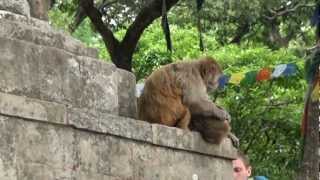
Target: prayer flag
[250,78]
[236,78]
[278,70]
[291,69]
[223,80]
[264,74]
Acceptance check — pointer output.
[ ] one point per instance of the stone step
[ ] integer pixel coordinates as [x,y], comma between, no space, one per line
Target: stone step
[52,74]
[39,32]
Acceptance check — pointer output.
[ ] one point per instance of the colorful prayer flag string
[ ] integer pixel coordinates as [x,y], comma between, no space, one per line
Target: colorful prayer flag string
[281,70]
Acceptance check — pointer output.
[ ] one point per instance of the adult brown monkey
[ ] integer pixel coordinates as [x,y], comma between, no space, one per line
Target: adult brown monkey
[176,91]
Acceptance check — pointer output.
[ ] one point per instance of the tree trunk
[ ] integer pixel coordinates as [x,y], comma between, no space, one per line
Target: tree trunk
[242,30]
[310,163]
[121,52]
[275,36]
[121,58]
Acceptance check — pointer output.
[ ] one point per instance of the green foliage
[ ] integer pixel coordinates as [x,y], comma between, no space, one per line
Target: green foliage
[151,51]
[266,115]
[59,18]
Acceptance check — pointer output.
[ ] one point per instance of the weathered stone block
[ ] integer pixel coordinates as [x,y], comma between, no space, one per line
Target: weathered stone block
[16,6]
[100,87]
[225,149]
[60,78]
[19,106]
[110,124]
[19,72]
[27,21]
[95,154]
[8,169]
[54,75]
[168,164]
[84,119]
[45,152]
[164,135]
[42,36]
[126,127]
[86,176]
[126,94]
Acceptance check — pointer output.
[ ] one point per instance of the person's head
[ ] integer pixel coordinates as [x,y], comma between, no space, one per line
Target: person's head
[241,167]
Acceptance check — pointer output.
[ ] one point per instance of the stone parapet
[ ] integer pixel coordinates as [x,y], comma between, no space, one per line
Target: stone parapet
[53,141]
[104,123]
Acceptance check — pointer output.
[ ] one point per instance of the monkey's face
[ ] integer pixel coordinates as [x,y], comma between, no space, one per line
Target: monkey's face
[210,72]
[213,81]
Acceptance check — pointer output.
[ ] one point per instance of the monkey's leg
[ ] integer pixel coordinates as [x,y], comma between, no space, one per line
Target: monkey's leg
[185,120]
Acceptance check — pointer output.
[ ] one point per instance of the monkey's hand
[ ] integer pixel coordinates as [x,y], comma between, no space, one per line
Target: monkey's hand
[234,139]
[223,114]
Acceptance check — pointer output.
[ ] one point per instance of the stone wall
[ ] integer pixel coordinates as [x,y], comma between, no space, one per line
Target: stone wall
[66,115]
[34,8]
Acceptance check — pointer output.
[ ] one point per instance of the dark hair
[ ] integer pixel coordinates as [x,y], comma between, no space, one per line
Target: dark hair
[244,158]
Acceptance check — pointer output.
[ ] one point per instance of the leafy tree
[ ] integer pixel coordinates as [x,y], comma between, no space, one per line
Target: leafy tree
[274,23]
[121,52]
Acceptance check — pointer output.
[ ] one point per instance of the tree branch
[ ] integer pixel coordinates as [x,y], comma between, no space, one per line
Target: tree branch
[285,11]
[242,30]
[145,17]
[96,18]
[81,14]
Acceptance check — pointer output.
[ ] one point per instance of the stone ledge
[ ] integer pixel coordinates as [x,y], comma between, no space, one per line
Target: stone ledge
[126,94]
[39,32]
[43,151]
[37,110]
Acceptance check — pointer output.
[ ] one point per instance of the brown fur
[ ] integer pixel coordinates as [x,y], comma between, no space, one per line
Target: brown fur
[212,130]
[175,91]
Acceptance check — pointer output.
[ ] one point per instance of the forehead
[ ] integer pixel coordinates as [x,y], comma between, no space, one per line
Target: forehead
[212,64]
[238,163]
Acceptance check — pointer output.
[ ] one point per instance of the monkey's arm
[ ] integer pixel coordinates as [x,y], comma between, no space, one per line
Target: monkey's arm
[195,96]
[205,107]
[199,103]
[235,141]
